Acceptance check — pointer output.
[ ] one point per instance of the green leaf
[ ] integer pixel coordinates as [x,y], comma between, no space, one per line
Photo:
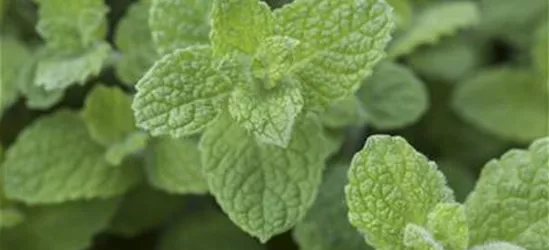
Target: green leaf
[179,24]
[448,224]
[510,200]
[10,217]
[393,97]
[108,115]
[490,98]
[498,246]
[71,26]
[459,177]
[55,160]
[209,230]
[418,238]
[181,94]
[240,26]
[392,185]
[60,70]
[437,21]
[132,144]
[263,188]
[15,55]
[269,114]
[340,42]
[403,12]
[173,165]
[273,59]
[344,113]
[450,60]
[144,209]
[134,40]
[67,226]
[37,97]
[540,50]
[326,227]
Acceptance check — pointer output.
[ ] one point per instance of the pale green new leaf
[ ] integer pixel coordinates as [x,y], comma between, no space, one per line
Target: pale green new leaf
[392,185]
[269,114]
[108,115]
[133,39]
[443,19]
[71,25]
[60,70]
[273,59]
[67,226]
[340,43]
[206,231]
[510,103]
[14,56]
[181,94]
[510,200]
[131,144]
[144,209]
[393,97]
[55,160]
[179,24]
[448,224]
[240,26]
[498,246]
[344,113]
[173,165]
[326,227]
[263,188]
[418,238]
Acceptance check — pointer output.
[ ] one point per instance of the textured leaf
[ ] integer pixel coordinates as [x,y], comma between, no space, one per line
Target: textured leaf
[418,238]
[134,40]
[510,200]
[181,94]
[268,114]
[209,230]
[273,59]
[448,224]
[449,61]
[264,189]
[58,71]
[494,96]
[240,26]
[498,246]
[179,24]
[108,115]
[67,226]
[144,209]
[326,227]
[174,166]
[71,25]
[14,56]
[431,25]
[393,97]
[392,185]
[347,112]
[55,160]
[132,144]
[341,41]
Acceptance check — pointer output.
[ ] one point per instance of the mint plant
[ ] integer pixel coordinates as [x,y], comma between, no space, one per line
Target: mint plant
[274,124]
